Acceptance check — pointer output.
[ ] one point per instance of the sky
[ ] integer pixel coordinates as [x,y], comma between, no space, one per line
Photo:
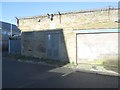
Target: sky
[10,10]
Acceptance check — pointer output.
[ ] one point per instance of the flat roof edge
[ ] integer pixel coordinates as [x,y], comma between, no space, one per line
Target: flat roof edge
[97,31]
[72,12]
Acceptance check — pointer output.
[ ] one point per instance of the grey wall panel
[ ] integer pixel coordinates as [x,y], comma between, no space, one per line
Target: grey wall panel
[15,46]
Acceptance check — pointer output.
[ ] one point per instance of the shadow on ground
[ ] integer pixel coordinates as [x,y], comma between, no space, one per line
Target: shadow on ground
[29,75]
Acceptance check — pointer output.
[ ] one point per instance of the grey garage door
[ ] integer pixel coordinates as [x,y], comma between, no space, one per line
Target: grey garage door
[52,46]
[96,45]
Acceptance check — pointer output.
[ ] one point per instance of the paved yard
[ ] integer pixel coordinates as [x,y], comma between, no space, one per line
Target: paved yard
[27,75]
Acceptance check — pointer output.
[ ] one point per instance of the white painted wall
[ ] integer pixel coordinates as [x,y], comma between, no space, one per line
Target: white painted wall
[96,46]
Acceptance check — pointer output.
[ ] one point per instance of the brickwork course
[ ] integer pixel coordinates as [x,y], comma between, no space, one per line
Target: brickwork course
[34,30]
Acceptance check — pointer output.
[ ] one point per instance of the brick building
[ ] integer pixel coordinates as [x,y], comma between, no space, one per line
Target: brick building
[72,36]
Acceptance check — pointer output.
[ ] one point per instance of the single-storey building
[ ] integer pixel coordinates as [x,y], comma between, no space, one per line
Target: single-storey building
[78,37]
[5,29]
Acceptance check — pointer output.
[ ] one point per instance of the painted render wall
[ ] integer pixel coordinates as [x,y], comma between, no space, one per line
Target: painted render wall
[34,43]
[97,46]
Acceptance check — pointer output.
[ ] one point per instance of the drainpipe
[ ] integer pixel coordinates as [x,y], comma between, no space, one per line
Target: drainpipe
[76,51]
[11,27]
